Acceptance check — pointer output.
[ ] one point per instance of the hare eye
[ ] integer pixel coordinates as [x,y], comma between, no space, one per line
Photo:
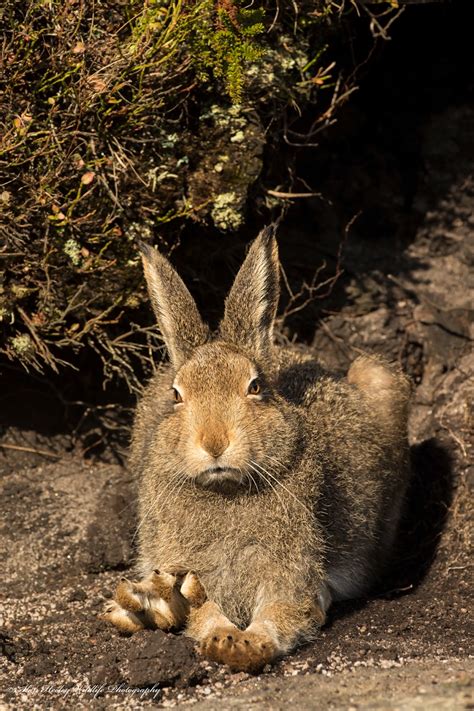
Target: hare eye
[254,387]
[177,396]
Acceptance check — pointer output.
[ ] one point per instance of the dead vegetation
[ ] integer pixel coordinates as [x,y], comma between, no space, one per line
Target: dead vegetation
[141,118]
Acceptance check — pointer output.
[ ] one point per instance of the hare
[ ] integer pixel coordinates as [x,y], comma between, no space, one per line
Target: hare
[268,487]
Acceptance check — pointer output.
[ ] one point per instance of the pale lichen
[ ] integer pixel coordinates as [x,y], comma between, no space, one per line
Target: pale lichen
[23,345]
[228,166]
[73,251]
[139,231]
[225,212]
[4,313]
[238,137]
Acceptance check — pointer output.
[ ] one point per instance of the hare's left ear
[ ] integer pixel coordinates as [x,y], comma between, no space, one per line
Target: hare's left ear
[176,312]
[251,305]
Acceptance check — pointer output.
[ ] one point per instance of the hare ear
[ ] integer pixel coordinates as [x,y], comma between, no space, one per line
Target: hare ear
[251,305]
[175,309]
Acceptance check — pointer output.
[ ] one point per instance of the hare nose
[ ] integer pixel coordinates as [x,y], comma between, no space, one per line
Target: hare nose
[215,444]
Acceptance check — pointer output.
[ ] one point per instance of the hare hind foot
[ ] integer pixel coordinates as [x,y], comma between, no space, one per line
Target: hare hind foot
[239,650]
[158,601]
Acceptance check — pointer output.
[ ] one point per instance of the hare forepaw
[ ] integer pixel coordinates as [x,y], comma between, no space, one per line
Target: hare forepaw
[222,641]
[193,590]
[154,602]
[240,650]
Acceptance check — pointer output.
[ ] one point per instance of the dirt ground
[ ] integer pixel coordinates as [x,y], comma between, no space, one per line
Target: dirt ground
[68,521]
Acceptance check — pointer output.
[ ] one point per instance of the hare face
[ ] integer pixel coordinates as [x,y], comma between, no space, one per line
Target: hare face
[227,428]
[228,419]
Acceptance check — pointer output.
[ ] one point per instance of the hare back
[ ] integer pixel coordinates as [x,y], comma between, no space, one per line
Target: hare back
[360,439]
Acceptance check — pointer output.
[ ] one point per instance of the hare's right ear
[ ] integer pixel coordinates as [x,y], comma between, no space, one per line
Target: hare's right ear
[251,305]
[178,317]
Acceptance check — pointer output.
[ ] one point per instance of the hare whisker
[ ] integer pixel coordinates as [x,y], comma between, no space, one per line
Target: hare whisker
[272,487]
[184,480]
[249,481]
[179,480]
[276,462]
[252,480]
[284,487]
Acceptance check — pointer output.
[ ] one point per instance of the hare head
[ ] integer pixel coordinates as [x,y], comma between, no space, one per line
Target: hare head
[227,425]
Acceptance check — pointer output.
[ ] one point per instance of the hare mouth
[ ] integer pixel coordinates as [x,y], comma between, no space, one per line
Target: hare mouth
[220,478]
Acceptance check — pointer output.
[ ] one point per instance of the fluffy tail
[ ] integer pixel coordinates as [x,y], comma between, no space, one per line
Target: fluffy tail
[386,389]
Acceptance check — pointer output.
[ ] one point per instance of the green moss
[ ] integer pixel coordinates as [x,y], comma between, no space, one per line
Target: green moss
[227,43]
[221,34]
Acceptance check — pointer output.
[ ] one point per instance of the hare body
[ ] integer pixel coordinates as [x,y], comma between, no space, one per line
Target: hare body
[327,524]
[278,484]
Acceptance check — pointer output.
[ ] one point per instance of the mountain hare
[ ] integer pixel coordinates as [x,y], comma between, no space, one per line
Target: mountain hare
[268,487]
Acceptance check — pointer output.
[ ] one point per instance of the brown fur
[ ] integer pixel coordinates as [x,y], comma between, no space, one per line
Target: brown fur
[312,471]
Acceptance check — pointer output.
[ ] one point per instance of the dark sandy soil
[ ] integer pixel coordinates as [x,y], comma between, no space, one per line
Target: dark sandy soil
[68,522]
